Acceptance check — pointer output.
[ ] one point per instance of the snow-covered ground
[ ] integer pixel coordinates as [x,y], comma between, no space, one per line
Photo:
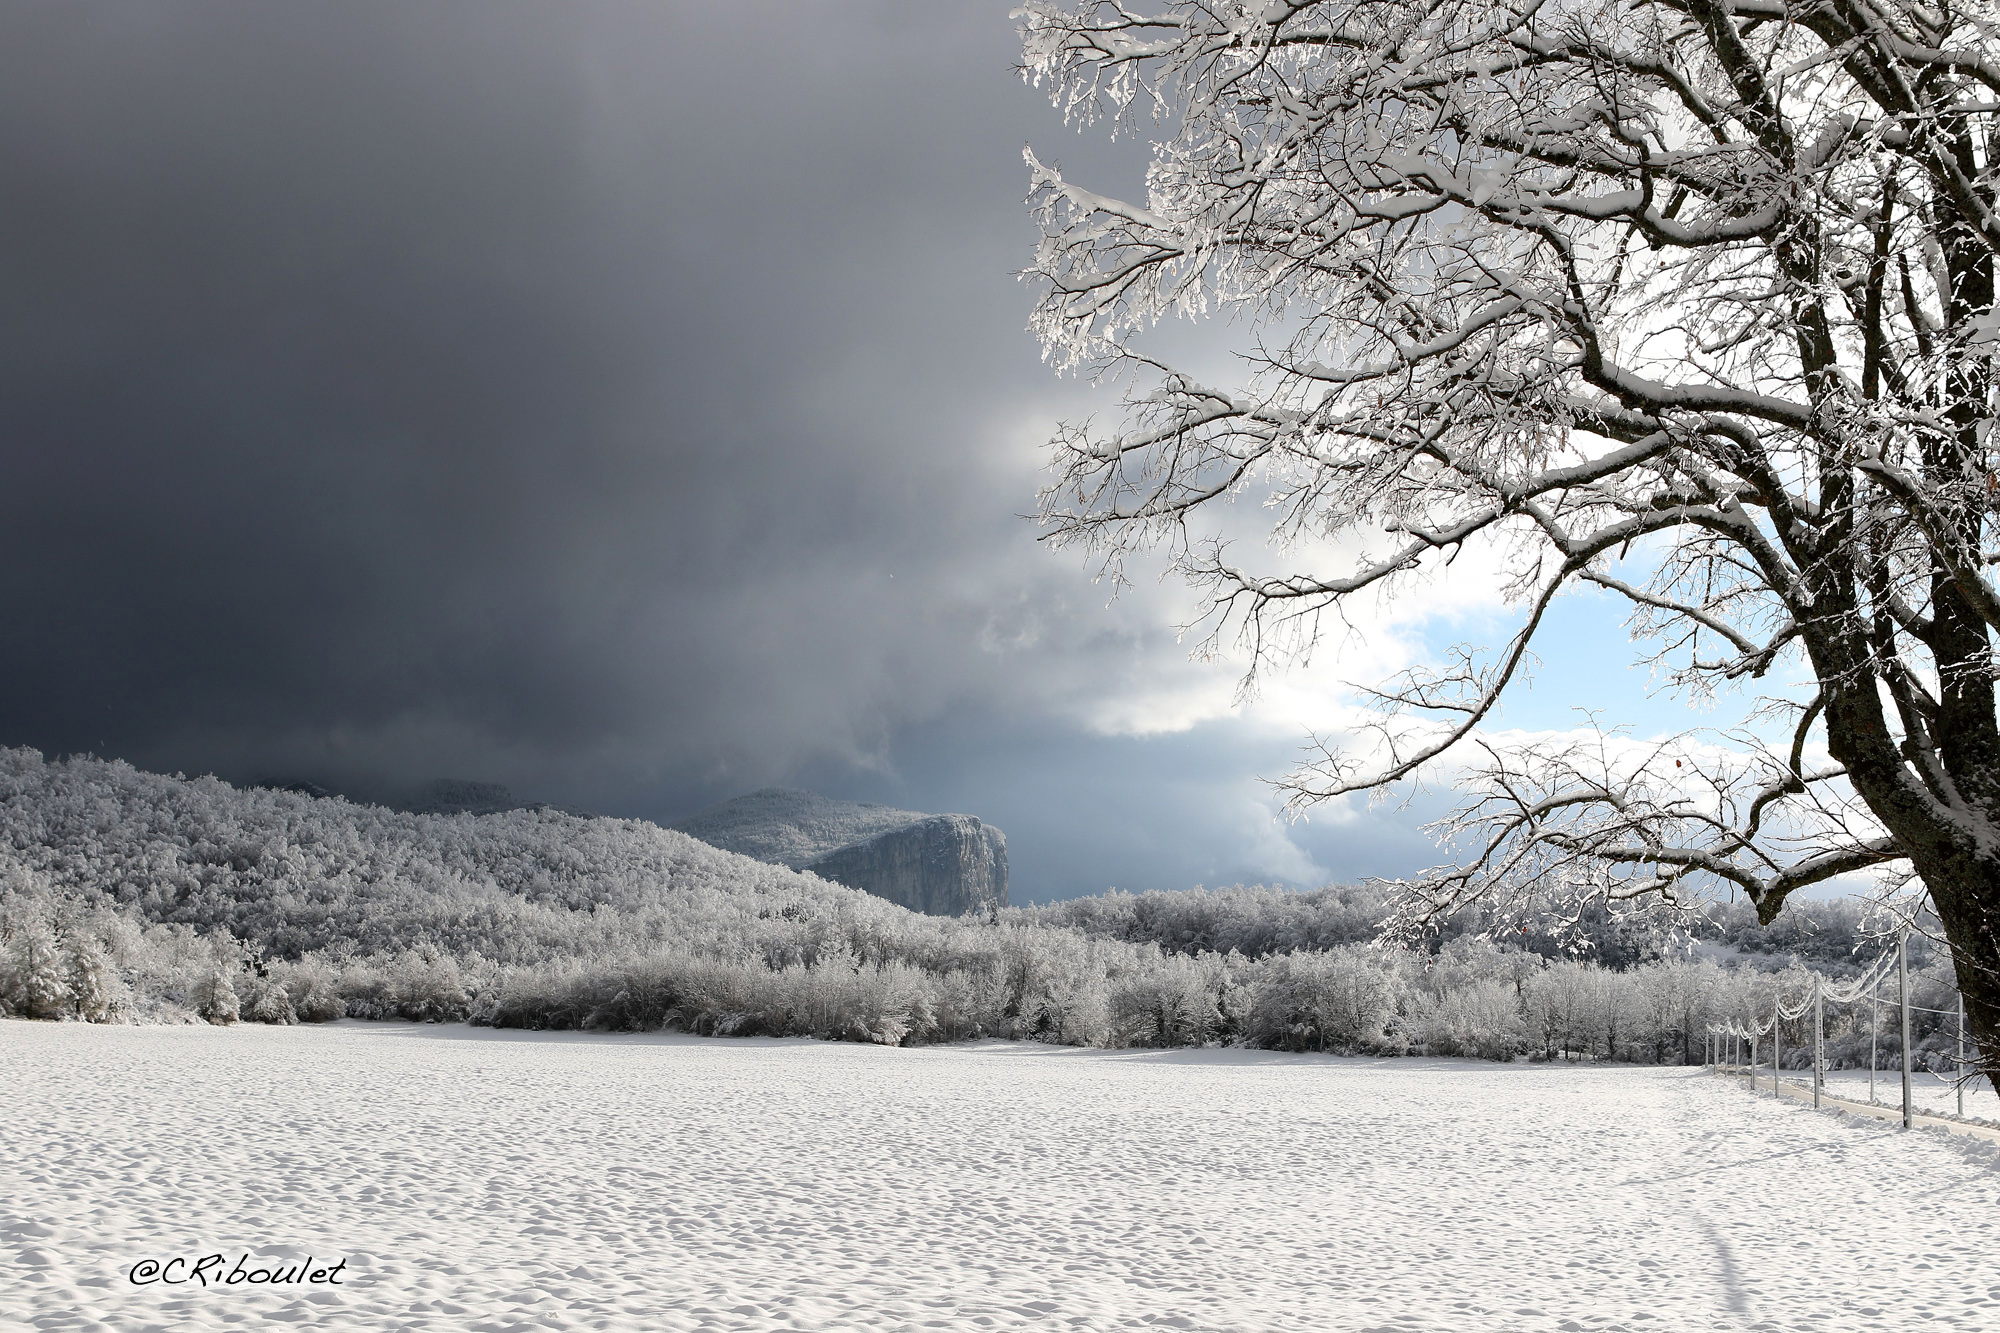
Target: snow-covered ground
[500,1181]
[1928,1092]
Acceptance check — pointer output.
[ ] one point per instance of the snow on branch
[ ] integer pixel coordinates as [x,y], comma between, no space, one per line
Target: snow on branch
[1685,301]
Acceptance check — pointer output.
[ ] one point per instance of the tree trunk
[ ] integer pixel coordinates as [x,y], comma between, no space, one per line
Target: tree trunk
[1966,894]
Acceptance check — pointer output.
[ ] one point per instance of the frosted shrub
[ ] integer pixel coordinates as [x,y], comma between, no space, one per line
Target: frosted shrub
[728,998]
[641,996]
[100,994]
[1676,1001]
[1174,1003]
[971,1003]
[1481,1019]
[1082,1017]
[37,983]
[263,999]
[1057,988]
[365,990]
[1467,961]
[1253,920]
[1560,1005]
[827,1000]
[912,994]
[1621,1014]
[427,988]
[897,1004]
[313,987]
[215,998]
[170,962]
[836,998]
[1343,1000]
[842,999]
[552,996]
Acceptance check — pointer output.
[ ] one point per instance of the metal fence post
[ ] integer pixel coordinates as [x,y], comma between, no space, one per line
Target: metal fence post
[1819,1040]
[1960,1070]
[1777,1046]
[1903,998]
[1874,1027]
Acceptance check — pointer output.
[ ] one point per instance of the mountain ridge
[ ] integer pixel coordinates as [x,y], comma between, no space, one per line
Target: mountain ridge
[940,865]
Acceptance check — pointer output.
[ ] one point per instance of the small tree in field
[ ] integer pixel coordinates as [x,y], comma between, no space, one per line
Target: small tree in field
[38,984]
[99,991]
[215,998]
[1687,300]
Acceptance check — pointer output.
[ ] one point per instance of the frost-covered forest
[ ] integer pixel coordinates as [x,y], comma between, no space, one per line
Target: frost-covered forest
[130,896]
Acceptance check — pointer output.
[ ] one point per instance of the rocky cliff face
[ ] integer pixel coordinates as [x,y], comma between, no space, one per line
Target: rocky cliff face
[944,865]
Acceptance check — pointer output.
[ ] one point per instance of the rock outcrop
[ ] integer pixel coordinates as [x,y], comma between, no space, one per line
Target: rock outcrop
[943,865]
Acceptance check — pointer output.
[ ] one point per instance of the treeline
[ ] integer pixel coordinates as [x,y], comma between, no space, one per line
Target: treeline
[969,979]
[1833,935]
[131,896]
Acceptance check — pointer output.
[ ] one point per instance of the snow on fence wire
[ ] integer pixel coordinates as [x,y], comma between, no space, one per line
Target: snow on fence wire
[1733,1046]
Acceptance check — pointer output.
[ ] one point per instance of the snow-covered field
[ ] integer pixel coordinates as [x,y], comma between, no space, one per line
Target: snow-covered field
[1928,1092]
[499,1181]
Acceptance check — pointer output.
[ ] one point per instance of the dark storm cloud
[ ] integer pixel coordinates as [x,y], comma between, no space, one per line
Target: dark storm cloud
[628,402]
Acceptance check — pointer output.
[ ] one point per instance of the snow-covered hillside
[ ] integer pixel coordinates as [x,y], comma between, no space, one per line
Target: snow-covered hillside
[290,873]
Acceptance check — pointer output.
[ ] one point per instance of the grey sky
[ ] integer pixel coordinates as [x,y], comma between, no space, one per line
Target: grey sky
[629,402]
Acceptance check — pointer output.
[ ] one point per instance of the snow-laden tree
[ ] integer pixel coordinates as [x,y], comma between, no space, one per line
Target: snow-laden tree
[1689,300]
[215,998]
[99,991]
[36,981]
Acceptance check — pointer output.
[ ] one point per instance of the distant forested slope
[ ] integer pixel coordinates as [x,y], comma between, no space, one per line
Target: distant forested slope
[290,873]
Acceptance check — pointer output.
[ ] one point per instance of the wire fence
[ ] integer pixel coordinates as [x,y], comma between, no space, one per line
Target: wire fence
[1754,1047]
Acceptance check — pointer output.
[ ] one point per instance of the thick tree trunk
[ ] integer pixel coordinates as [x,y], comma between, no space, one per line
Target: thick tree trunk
[1966,893]
[1963,880]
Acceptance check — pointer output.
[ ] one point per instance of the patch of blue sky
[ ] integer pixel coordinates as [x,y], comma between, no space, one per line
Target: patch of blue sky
[1585,662]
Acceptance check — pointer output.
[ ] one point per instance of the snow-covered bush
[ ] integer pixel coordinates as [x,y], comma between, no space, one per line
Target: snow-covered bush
[1058,984]
[215,998]
[1480,1018]
[427,987]
[1177,1002]
[263,999]
[1339,1000]
[1562,1007]
[100,994]
[36,983]
[313,987]
[971,1002]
